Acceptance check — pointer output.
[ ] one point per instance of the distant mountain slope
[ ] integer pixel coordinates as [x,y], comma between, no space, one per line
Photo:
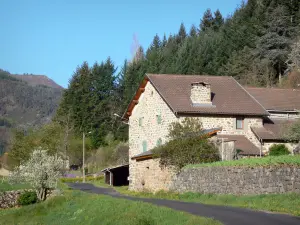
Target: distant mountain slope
[26,101]
[35,80]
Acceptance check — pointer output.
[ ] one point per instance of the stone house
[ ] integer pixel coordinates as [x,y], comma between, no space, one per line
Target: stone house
[245,116]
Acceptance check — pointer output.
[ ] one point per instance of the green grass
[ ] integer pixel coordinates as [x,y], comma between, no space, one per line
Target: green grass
[283,203]
[291,160]
[80,179]
[5,186]
[76,207]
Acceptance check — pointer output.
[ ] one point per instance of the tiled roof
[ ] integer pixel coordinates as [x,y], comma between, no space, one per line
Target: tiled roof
[272,129]
[228,96]
[276,98]
[242,143]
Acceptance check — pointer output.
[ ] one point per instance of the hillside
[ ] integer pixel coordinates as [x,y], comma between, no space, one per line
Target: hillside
[35,80]
[25,101]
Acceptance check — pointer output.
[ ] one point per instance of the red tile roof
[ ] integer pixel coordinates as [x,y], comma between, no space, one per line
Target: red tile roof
[228,96]
[276,98]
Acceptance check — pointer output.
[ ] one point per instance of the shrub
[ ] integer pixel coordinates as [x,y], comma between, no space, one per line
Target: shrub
[27,198]
[181,152]
[276,150]
[41,171]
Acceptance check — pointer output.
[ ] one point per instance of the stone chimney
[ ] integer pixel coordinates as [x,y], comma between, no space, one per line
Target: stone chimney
[201,94]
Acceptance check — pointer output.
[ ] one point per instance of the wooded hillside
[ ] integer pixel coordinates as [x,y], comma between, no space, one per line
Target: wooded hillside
[24,104]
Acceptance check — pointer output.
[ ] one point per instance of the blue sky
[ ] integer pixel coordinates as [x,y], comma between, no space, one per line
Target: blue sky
[52,37]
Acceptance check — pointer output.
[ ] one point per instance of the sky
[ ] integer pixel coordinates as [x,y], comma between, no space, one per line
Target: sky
[53,37]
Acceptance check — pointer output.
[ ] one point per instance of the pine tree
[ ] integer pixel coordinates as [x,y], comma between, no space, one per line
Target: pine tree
[273,47]
[218,20]
[164,41]
[181,34]
[153,55]
[207,20]
[193,31]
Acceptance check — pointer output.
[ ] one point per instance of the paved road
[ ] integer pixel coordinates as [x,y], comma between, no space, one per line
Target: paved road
[225,214]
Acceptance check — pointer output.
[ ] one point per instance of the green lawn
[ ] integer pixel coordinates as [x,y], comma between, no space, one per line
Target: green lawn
[283,203]
[5,186]
[291,160]
[76,207]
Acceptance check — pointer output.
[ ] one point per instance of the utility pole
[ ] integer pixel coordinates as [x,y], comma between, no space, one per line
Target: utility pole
[83,156]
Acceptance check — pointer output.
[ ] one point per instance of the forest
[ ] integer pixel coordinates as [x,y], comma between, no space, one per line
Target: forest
[258,45]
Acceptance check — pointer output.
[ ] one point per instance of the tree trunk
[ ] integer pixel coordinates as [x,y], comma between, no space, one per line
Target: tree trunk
[42,194]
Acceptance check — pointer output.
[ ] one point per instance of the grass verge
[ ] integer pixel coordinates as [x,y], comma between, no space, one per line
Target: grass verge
[283,203]
[291,160]
[5,186]
[76,207]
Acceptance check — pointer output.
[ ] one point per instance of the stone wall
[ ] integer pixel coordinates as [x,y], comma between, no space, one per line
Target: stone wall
[150,177]
[238,180]
[9,199]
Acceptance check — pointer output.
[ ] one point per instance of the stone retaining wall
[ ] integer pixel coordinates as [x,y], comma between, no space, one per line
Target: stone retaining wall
[9,199]
[234,180]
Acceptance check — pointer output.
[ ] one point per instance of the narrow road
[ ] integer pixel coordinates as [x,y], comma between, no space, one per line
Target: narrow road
[225,214]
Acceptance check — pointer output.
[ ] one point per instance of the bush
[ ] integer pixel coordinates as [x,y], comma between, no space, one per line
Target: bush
[41,172]
[27,198]
[276,150]
[181,152]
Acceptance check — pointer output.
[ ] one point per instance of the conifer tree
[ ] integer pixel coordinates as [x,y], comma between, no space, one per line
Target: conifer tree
[218,20]
[207,20]
[181,34]
[193,31]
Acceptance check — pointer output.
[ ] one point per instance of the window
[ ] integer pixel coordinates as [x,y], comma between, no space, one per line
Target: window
[141,121]
[239,123]
[158,142]
[158,119]
[144,146]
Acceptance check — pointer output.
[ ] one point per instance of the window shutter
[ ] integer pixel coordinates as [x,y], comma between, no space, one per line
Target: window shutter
[144,146]
[158,119]
[158,142]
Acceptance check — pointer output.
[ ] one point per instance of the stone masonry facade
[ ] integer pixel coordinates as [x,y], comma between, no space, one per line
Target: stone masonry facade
[148,126]
[238,180]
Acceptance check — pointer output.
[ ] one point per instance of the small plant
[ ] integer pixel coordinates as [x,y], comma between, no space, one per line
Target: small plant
[27,198]
[276,150]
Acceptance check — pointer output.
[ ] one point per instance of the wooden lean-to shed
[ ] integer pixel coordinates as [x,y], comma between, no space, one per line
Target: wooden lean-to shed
[117,176]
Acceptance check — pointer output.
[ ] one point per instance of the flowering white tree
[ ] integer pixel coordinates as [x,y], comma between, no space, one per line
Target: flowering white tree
[41,171]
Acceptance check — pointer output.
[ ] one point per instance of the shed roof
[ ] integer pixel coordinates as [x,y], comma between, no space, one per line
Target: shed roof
[114,167]
[242,143]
